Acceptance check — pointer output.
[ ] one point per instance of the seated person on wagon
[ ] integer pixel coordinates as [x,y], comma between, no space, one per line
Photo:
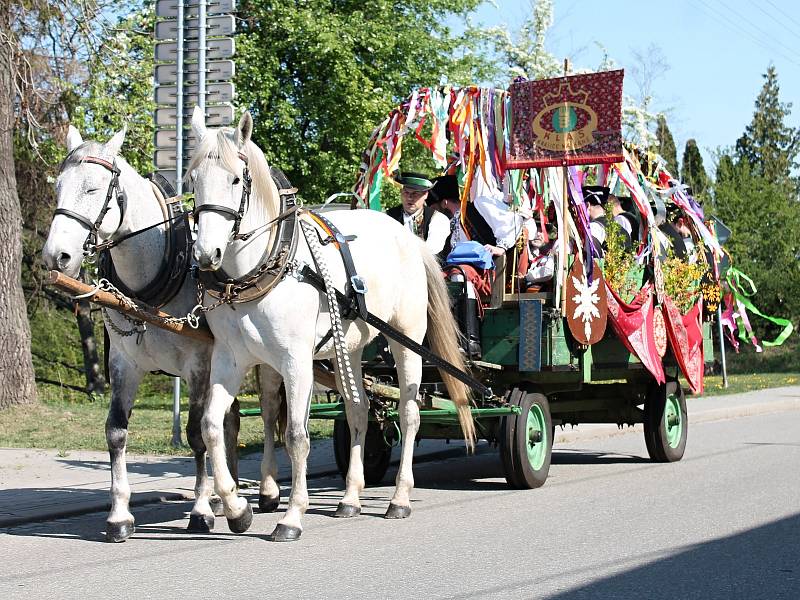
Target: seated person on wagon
[422,220]
[487,221]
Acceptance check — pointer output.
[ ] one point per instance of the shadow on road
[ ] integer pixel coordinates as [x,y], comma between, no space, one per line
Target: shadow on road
[757,563]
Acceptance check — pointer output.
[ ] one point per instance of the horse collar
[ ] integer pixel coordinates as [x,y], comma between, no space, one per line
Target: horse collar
[260,281]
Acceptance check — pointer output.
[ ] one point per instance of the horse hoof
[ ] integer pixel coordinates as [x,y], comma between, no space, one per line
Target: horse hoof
[119,532]
[267,504]
[395,511]
[285,533]
[242,523]
[200,523]
[216,506]
[345,511]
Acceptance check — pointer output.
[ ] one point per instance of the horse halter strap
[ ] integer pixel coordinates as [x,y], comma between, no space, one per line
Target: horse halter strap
[244,203]
[90,246]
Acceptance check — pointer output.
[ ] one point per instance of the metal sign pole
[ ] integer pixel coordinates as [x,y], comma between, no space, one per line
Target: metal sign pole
[194,50]
[176,392]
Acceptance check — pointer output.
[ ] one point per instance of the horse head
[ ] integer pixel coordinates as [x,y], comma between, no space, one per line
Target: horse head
[221,179]
[89,202]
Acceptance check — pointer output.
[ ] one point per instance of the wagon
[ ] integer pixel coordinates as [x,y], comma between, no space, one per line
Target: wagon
[542,378]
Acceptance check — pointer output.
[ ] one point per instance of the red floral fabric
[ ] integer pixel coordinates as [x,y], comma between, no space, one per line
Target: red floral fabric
[685,334]
[633,324]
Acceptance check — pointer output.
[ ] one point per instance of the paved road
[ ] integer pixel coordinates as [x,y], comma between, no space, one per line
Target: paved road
[722,523]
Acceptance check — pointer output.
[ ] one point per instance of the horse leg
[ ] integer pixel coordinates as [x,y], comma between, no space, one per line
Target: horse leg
[269,492]
[357,420]
[409,375]
[224,384]
[201,519]
[125,379]
[298,378]
[231,425]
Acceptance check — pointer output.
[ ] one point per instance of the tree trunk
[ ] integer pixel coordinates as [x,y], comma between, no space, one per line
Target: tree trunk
[95,381]
[17,384]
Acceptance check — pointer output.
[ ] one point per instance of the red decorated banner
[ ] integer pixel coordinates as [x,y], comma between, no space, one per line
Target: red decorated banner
[633,324]
[686,338]
[572,120]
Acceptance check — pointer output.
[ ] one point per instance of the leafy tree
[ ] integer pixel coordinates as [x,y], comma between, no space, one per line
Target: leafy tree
[118,90]
[319,75]
[769,145]
[693,173]
[523,53]
[666,145]
[765,240]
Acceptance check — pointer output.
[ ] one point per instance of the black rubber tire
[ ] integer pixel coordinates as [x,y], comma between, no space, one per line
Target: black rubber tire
[506,437]
[520,473]
[655,427]
[377,455]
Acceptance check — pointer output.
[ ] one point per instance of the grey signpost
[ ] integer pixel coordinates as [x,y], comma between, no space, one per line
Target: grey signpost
[193,67]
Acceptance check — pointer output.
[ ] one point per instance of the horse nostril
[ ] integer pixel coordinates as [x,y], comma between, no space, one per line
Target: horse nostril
[63,260]
[217,255]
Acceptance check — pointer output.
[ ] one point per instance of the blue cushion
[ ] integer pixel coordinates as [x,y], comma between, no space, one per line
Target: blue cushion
[470,253]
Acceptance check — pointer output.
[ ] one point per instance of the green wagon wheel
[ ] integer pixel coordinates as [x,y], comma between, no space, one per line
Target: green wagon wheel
[665,422]
[527,441]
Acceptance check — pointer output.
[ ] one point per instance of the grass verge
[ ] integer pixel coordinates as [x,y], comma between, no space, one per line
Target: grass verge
[67,423]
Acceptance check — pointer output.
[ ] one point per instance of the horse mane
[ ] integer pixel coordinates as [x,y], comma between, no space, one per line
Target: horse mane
[219,146]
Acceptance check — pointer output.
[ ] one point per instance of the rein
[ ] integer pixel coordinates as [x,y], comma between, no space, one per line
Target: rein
[90,245]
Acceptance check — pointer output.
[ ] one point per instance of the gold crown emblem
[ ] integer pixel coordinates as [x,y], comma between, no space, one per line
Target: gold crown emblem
[565,93]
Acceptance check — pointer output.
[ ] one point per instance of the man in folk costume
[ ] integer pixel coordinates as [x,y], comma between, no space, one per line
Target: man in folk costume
[628,223]
[488,221]
[596,197]
[422,220]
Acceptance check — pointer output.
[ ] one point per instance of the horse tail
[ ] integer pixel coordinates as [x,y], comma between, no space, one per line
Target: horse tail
[443,338]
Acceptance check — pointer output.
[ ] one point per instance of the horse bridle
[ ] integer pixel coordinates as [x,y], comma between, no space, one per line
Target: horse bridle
[90,246]
[244,203]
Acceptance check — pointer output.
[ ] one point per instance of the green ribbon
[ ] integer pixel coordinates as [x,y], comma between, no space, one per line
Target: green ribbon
[735,278]
[374,199]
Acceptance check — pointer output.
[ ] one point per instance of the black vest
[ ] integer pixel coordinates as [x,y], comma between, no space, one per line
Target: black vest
[427,214]
[476,226]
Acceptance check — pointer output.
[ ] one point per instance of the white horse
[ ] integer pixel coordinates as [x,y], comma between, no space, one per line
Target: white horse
[283,328]
[85,184]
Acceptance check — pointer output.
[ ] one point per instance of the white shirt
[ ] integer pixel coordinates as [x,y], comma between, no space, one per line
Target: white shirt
[438,230]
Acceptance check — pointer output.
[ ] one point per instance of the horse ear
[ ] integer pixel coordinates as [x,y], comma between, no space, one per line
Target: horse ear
[245,129]
[114,145]
[198,123]
[74,138]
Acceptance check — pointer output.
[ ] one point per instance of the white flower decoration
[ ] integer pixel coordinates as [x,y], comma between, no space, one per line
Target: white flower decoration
[586,303]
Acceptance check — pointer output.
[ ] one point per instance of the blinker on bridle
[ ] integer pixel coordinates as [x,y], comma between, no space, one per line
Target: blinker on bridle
[244,203]
[90,245]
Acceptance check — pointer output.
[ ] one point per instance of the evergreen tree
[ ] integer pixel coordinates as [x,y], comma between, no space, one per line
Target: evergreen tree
[769,145]
[666,145]
[693,172]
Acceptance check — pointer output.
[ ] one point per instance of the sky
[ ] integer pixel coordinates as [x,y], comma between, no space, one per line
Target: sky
[716,52]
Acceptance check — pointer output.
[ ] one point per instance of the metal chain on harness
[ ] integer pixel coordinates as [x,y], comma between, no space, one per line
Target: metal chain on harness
[138,327]
[342,358]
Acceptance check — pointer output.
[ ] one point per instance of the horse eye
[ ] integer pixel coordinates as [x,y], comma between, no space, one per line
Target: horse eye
[235,181]
[91,191]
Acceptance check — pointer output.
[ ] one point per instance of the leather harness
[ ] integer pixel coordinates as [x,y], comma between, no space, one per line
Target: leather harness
[174,263]
[259,281]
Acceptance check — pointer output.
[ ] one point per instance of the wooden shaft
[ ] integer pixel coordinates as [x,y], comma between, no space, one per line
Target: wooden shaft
[154,317]
[109,300]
